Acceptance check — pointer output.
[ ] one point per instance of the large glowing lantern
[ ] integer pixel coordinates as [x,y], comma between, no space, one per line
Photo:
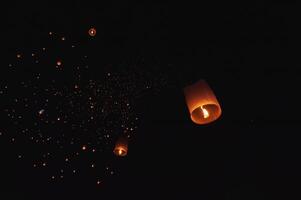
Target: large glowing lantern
[202,103]
[121,147]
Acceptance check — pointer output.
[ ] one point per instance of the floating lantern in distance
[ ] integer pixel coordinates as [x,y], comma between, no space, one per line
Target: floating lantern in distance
[59,63]
[121,147]
[92,32]
[202,103]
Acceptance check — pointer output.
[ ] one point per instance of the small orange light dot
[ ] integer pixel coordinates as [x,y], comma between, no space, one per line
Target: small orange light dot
[92,32]
[84,148]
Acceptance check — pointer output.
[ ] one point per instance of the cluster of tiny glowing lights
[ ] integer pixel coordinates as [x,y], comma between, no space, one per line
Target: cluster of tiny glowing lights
[205,112]
[58,105]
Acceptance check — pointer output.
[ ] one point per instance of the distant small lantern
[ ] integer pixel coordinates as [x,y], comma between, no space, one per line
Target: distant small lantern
[202,103]
[92,32]
[121,147]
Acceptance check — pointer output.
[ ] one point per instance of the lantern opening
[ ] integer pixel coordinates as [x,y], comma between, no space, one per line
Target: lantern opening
[205,113]
[120,151]
[121,147]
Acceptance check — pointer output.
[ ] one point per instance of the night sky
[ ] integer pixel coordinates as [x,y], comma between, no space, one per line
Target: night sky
[67,96]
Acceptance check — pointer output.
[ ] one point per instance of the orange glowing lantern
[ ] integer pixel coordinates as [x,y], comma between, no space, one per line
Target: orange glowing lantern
[121,147]
[92,32]
[202,103]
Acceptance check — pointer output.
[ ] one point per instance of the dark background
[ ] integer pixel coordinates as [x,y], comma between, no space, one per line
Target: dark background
[248,54]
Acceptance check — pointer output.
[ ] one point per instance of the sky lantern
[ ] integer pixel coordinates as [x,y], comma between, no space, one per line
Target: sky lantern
[202,103]
[58,63]
[121,147]
[92,32]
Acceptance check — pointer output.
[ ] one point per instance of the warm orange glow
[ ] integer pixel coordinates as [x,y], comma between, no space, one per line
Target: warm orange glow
[121,147]
[92,32]
[202,103]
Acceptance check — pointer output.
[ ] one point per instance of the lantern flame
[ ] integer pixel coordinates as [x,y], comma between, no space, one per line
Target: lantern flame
[205,113]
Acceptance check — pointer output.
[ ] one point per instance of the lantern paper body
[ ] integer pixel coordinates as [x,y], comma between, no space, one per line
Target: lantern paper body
[121,147]
[202,103]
